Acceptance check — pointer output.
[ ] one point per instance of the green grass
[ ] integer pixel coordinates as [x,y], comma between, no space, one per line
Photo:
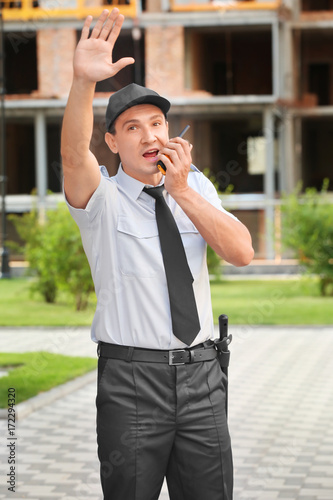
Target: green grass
[35,372]
[278,302]
[18,307]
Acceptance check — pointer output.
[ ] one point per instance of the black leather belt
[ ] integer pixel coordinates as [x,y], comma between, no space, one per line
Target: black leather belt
[200,352]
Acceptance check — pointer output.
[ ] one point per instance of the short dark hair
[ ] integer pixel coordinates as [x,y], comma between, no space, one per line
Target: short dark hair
[112,129]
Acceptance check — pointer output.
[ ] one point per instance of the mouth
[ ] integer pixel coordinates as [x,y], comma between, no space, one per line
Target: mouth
[151,154]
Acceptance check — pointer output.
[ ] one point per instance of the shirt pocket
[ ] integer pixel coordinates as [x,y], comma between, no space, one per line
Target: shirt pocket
[138,247]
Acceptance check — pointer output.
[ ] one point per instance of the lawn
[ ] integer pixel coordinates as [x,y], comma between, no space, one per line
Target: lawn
[19,308]
[278,302]
[275,302]
[246,302]
[35,372]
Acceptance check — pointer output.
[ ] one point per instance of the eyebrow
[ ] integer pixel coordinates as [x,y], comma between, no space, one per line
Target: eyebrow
[134,120]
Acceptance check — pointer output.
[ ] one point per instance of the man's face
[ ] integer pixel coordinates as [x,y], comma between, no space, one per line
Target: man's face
[141,131]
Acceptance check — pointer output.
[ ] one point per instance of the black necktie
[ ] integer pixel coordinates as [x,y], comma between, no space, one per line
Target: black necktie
[184,314]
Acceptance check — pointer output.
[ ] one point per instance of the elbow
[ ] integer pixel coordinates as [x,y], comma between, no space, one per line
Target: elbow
[245,258]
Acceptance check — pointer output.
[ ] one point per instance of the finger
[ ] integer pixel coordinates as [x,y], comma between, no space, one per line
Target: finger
[184,144]
[179,140]
[116,29]
[179,154]
[122,63]
[177,148]
[172,157]
[99,24]
[107,28]
[86,27]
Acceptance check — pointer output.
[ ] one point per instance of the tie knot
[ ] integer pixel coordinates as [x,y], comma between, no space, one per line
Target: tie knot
[156,192]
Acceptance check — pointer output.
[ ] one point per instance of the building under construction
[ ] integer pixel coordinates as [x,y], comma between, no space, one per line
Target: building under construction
[254,79]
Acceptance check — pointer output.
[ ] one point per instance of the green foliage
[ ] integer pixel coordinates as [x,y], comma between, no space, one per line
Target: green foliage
[54,251]
[213,263]
[35,372]
[307,229]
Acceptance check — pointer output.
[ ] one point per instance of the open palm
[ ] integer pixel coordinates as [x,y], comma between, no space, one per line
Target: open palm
[93,55]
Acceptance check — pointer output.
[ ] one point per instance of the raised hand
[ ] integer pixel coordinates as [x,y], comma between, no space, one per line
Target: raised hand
[93,55]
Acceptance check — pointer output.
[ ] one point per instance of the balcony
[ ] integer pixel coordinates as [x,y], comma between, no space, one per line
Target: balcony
[225,5]
[25,10]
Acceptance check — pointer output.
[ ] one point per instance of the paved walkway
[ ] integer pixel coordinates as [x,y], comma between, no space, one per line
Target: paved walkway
[280,414]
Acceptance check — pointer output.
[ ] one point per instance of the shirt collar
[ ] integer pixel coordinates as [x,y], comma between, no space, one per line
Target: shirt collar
[132,186]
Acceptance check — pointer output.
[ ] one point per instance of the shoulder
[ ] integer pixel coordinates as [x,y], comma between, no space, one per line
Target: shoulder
[200,183]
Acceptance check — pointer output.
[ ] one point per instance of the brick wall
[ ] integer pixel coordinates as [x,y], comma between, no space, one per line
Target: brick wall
[55,49]
[165,67]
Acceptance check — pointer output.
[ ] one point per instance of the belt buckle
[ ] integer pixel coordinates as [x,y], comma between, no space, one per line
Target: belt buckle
[172,356]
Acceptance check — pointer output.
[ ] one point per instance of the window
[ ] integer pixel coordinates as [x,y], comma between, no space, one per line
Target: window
[230,61]
[317,65]
[317,151]
[20,62]
[20,157]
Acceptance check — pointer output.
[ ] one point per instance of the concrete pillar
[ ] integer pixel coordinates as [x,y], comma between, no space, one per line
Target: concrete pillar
[269,184]
[287,84]
[41,161]
[287,93]
[288,153]
[298,163]
[296,6]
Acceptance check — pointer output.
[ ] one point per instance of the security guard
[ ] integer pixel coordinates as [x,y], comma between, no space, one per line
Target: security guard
[161,392]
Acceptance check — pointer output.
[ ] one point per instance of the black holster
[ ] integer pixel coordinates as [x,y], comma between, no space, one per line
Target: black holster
[222,347]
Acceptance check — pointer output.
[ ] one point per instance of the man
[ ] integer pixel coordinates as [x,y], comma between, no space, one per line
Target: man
[160,398]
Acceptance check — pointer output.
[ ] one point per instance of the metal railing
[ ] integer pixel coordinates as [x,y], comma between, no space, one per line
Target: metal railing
[24,10]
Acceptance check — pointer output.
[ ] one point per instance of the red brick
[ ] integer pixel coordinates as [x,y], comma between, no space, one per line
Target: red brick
[55,49]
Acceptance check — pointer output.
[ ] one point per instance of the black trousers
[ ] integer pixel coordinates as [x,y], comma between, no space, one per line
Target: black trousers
[156,421]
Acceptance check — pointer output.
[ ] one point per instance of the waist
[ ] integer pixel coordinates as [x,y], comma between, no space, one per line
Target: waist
[205,351]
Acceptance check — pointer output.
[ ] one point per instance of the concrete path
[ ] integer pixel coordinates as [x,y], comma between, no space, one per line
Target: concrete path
[280,417]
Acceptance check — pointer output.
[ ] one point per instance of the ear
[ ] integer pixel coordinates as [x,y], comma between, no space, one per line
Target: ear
[111,141]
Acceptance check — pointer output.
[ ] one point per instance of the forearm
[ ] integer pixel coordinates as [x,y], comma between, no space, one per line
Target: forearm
[77,124]
[228,237]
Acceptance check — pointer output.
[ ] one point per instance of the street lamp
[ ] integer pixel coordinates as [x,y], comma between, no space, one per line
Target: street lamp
[5,270]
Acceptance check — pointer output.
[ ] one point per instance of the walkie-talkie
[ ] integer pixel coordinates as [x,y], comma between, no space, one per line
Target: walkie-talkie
[160,164]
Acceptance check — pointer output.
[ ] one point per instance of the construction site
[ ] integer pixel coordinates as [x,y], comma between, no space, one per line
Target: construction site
[253,79]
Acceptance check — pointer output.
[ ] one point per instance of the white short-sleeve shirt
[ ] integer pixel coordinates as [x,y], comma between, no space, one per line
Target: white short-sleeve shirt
[120,238]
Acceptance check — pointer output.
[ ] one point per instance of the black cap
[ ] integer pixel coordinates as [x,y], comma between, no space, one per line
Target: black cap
[130,96]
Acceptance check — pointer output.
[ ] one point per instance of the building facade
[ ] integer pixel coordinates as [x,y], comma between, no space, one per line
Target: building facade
[254,79]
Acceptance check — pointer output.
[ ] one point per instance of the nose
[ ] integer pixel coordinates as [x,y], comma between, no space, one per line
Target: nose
[148,135]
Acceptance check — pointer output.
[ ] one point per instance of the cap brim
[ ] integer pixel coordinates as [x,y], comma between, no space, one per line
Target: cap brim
[157,101]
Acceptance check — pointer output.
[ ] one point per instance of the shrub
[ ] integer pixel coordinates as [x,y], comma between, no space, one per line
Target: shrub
[54,251]
[307,229]
[214,263]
